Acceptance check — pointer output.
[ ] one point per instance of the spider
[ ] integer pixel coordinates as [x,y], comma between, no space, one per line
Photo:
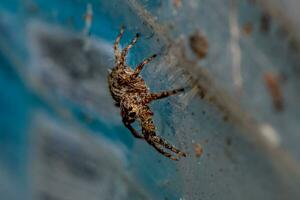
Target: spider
[131,94]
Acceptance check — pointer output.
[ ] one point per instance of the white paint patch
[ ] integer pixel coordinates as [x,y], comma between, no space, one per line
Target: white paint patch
[270,134]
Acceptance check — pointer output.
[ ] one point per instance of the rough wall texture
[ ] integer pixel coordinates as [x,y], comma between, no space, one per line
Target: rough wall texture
[61,136]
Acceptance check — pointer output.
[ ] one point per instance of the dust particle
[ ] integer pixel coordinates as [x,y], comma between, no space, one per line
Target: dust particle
[177,3]
[265,23]
[198,150]
[228,141]
[247,28]
[225,118]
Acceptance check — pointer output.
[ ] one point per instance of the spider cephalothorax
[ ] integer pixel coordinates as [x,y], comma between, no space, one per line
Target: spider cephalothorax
[132,95]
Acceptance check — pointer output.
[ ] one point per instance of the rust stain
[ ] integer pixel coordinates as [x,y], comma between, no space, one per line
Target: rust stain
[272,82]
[199,44]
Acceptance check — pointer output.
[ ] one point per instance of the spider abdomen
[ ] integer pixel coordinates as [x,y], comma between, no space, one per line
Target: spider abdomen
[121,83]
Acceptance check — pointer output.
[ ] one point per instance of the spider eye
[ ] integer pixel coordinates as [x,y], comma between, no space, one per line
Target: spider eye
[132,114]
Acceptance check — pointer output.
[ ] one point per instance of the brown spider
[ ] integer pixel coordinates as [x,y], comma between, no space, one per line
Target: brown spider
[132,95]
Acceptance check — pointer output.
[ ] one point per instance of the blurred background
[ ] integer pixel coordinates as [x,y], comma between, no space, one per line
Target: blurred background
[61,137]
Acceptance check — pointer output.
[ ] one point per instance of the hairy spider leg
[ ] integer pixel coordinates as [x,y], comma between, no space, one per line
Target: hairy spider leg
[139,68]
[132,130]
[129,46]
[167,145]
[116,44]
[159,149]
[161,95]
[148,130]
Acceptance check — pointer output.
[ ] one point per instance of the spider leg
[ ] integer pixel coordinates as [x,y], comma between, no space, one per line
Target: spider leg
[160,150]
[139,68]
[161,95]
[132,130]
[167,145]
[129,46]
[116,44]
